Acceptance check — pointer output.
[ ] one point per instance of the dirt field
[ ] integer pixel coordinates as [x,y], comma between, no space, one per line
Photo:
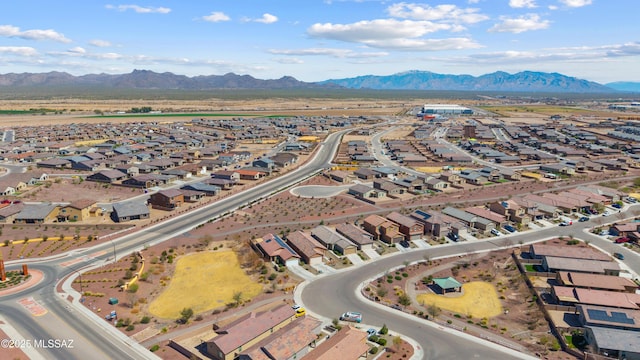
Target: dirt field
[478,300]
[202,282]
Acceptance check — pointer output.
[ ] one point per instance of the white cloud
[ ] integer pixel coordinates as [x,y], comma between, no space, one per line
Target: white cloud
[294,61]
[392,34]
[140,9]
[78,50]
[267,19]
[374,30]
[473,1]
[522,4]
[576,3]
[216,16]
[553,7]
[100,43]
[521,24]
[18,50]
[337,53]
[14,31]
[443,13]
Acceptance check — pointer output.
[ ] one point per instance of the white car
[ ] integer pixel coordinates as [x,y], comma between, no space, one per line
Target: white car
[351,316]
[496,232]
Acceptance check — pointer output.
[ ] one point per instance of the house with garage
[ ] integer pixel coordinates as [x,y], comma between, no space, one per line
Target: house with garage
[365,173]
[276,250]
[470,220]
[333,241]
[37,214]
[78,210]
[8,212]
[346,344]
[130,210]
[361,238]
[499,220]
[382,229]
[511,210]
[310,250]
[388,187]
[365,192]
[227,175]
[191,196]
[167,199]
[246,331]
[107,176]
[291,342]
[409,227]
[208,190]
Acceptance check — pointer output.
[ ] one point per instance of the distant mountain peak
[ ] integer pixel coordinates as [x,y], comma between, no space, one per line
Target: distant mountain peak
[525,81]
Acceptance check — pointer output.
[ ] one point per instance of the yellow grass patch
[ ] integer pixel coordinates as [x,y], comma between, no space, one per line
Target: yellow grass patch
[204,281]
[531,175]
[479,299]
[635,195]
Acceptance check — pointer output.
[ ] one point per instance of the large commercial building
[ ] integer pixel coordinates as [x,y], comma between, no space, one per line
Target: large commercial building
[446,109]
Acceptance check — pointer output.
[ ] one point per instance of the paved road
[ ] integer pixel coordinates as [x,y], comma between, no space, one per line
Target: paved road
[96,342]
[330,295]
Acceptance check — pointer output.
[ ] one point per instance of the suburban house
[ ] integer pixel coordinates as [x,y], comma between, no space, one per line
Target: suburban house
[247,331]
[555,264]
[608,342]
[227,175]
[411,228]
[333,241]
[275,249]
[485,213]
[78,210]
[8,212]
[107,176]
[539,251]
[364,192]
[293,341]
[471,220]
[382,229]
[347,344]
[596,282]
[37,214]
[511,210]
[130,210]
[365,173]
[168,199]
[208,190]
[361,238]
[309,249]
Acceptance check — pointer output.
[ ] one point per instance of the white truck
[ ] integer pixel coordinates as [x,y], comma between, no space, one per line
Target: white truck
[351,316]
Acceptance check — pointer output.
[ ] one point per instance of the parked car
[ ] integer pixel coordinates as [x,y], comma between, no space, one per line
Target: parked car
[583,219]
[453,236]
[606,213]
[618,256]
[351,316]
[509,228]
[630,200]
[616,205]
[496,232]
[111,316]
[301,312]
[604,233]
[295,306]
[371,332]
[622,240]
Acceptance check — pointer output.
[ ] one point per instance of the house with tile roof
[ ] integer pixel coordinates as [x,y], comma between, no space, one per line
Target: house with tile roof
[310,250]
[167,199]
[276,250]
[346,344]
[248,330]
[291,342]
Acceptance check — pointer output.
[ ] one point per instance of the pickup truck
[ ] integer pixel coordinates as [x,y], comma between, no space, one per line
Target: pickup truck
[351,316]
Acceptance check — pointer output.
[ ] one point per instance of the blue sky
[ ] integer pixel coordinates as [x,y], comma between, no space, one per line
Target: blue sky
[315,40]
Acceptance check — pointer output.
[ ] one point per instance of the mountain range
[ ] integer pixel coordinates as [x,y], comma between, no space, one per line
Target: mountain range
[526,81]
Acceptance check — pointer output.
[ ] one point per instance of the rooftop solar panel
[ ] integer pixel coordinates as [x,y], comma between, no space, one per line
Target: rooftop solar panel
[615,317]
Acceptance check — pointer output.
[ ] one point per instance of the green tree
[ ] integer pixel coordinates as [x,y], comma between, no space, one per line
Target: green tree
[384,330]
[185,315]
[404,300]
[237,298]
[433,310]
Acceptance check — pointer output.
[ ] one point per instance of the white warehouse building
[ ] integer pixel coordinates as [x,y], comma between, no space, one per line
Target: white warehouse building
[446,109]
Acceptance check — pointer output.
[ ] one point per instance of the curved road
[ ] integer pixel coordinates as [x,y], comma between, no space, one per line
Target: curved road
[94,340]
[331,295]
